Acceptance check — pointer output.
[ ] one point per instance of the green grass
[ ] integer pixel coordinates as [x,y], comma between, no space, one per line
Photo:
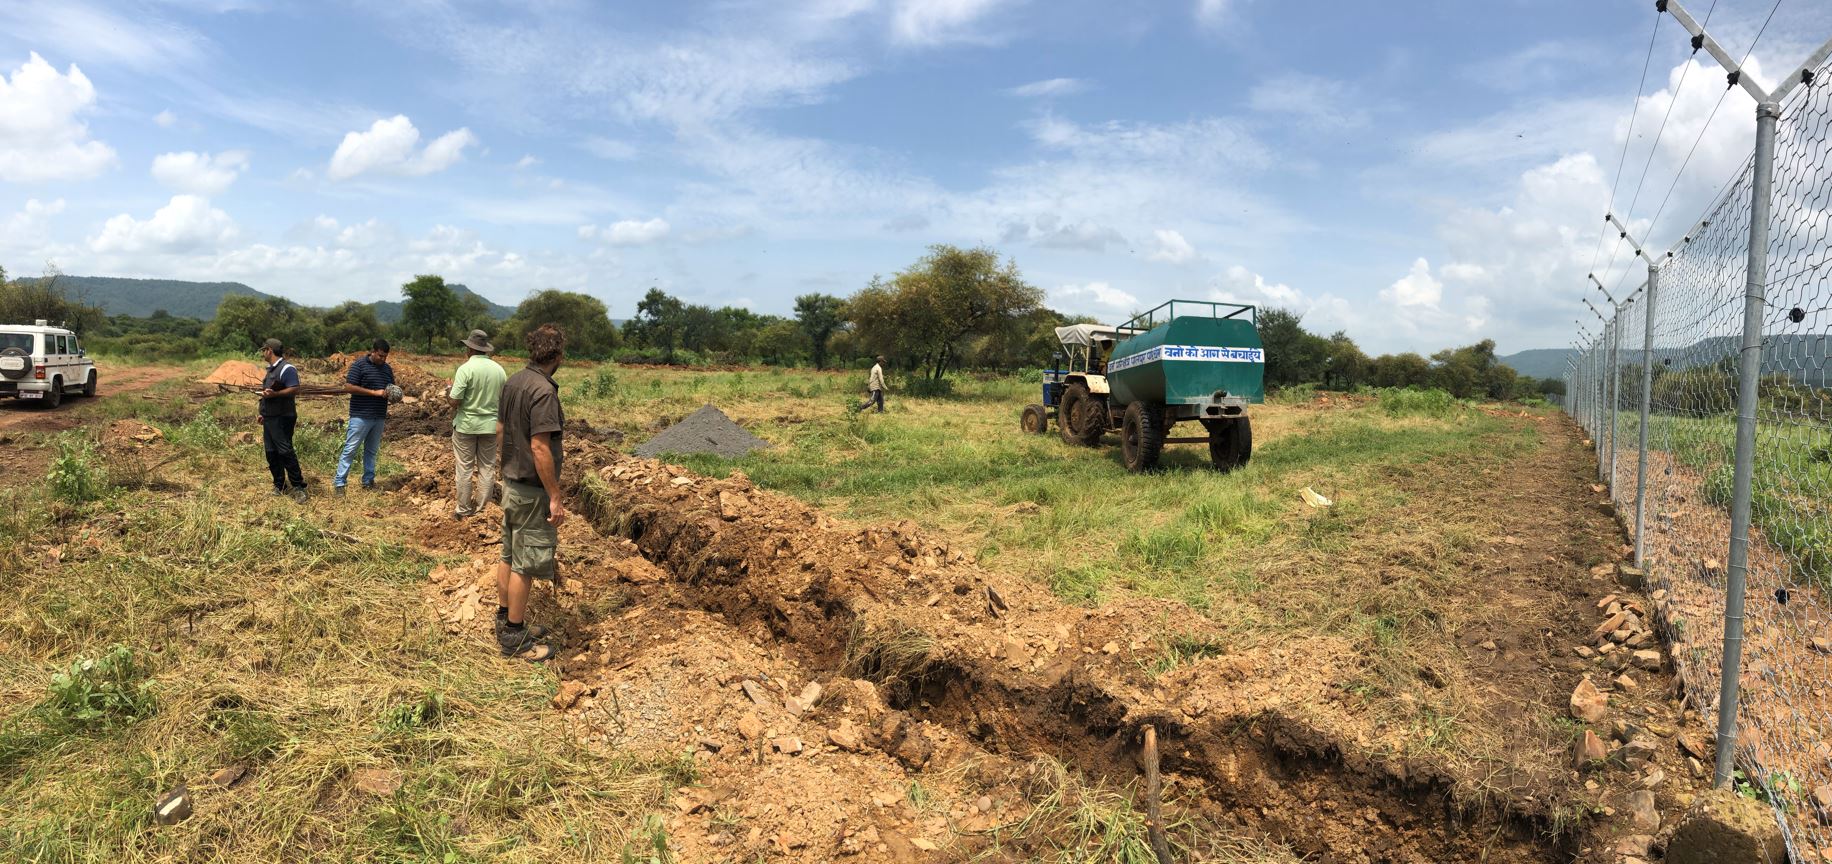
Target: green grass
[1791,485]
[1068,517]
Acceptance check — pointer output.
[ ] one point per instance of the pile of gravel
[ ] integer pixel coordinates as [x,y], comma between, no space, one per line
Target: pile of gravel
[707,430]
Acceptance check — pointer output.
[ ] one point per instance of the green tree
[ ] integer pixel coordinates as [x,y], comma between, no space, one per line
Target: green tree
[23,301]
[350,326]
[584,318]
[658,323]
[780,342]
[926,312]
[431,311]
[1400,370]
[1346,367]
[818,316]
[243,322]
[1293,355]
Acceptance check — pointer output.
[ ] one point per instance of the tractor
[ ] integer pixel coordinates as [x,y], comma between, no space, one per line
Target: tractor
[1184,360]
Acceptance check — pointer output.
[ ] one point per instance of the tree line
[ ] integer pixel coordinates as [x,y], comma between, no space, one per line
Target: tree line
[953,309]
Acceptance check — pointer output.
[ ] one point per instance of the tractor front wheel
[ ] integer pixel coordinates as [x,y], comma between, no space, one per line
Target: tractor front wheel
[1230,443]
[1142,436]
[1035,420]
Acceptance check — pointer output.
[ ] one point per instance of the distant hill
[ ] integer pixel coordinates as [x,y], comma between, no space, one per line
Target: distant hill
[389,311]
[1538,362]
[1807,359]
[143,297]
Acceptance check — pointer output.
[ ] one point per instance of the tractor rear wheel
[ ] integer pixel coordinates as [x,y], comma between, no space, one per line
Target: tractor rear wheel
[1091,420]
[1142,436]
[1230,443]
[1068,413]
[1035,420]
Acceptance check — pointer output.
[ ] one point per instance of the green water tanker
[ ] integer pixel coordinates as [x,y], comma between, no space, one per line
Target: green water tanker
[1186,360]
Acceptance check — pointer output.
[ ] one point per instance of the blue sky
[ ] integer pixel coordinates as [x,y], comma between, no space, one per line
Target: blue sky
[1420,174]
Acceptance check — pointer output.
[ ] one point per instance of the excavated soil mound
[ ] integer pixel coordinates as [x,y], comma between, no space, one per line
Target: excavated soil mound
[982,665]
[707,430]
[236,373]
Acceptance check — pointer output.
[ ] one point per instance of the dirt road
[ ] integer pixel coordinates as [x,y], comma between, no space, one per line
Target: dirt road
[21,420]
[18,415]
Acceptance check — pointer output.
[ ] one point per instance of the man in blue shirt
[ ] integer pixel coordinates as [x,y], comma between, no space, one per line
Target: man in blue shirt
[369,381]
[279,416]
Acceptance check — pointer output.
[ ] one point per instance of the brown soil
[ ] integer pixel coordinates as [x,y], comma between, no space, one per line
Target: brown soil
[23,425]
[693,610]
[1785,704]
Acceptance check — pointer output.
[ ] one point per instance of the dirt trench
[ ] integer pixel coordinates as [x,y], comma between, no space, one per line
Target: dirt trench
[1001,667]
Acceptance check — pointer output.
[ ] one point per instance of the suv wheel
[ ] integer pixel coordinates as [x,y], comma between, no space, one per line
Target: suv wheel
[56,396]
[89,385]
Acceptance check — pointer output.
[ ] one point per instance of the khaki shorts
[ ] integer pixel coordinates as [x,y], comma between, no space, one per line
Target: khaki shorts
[528,540]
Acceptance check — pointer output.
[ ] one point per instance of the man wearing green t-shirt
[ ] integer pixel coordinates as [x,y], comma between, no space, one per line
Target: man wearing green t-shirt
[476,389]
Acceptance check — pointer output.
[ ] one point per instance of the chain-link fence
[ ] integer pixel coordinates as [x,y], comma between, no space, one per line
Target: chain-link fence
[1665,368]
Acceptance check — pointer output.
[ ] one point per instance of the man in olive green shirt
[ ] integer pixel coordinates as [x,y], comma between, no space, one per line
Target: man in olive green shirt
[476,389]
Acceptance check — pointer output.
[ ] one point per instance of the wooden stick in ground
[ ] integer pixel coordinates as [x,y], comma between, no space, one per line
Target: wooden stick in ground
[1154,819]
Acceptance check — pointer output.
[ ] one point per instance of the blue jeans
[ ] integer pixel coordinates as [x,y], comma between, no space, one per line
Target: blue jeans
[366,433]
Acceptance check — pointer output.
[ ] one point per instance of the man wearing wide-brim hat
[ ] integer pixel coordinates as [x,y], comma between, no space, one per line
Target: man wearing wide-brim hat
[476,388]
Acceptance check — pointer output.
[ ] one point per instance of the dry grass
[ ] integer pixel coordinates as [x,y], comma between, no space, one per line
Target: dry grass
[301,658]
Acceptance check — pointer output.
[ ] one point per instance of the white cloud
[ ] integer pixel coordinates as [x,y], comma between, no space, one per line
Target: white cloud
[527,162]
[1240,285]
[1098,298]
[30,221]
[75,28]
[931,22]
[1212,13]
[628,232]
[40,135]
[166,119]
[187,223]
[1172,247]
[391,146]
[1416,288]
[1049,88]
[607,148]
[200,173]
[1319,103]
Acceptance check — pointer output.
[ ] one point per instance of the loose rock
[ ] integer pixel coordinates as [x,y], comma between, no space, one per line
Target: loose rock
[173,807]
[1641,808]
[570,693]
[1588,703]
[1589,750]
[1649,660]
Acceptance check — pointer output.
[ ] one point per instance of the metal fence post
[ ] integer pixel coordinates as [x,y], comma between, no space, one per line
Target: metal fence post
[1615,394]
[1647,397]
[1748,379]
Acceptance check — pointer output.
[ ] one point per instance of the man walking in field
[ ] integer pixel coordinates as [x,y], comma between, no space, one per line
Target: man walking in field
[279,416]
[529,431]
[874,387]
[476,388]
[370,383]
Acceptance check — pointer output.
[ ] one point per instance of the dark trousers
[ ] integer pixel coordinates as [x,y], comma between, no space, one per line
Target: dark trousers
[876,398]
[277,440]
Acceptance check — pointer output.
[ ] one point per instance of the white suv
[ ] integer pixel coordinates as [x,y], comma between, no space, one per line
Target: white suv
[43,362]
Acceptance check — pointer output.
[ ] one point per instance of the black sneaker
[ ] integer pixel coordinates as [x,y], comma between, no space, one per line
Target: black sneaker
[281,490]
[299,494]
[523,645]
[502,626]
[337,492]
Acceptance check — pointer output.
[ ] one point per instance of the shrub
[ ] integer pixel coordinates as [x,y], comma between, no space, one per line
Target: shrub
[930,387]
[1415,402]
[101,691]
[77,475]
